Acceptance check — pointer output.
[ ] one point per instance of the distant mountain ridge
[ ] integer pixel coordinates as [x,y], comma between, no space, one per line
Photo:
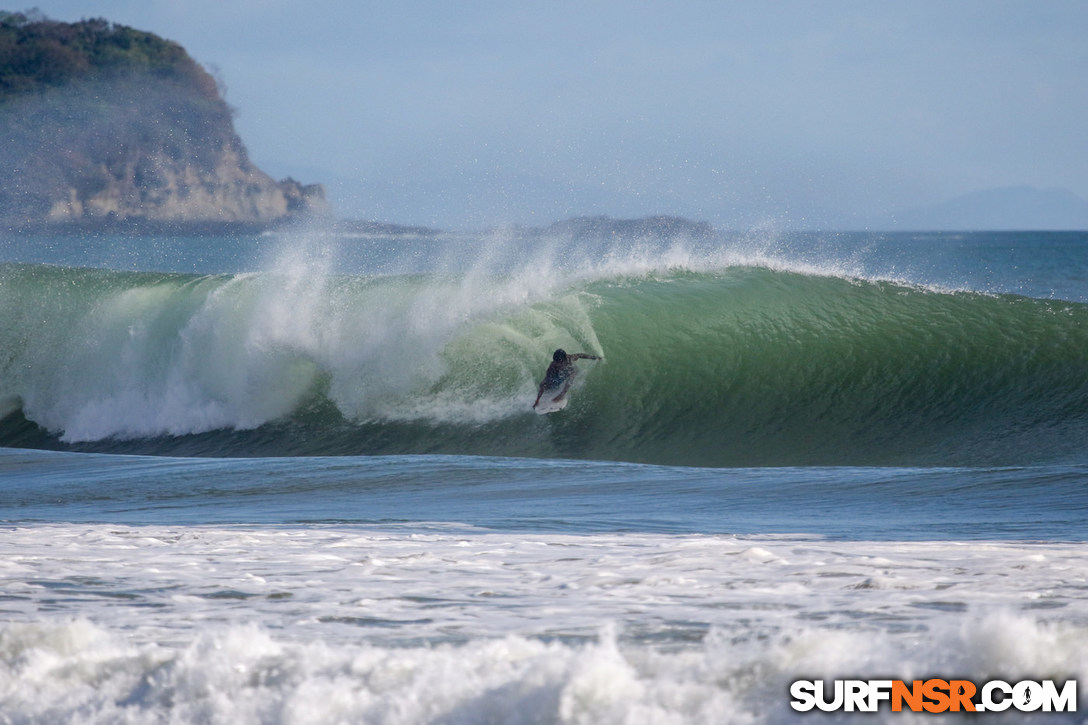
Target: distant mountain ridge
[1015,208]
[104,123]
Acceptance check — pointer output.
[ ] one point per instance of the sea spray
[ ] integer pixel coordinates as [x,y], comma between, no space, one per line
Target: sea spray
[174,354]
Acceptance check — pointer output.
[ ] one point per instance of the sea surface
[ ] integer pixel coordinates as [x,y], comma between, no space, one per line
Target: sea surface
[296,477]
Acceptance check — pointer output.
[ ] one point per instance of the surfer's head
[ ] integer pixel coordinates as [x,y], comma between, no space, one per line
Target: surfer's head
[559,355]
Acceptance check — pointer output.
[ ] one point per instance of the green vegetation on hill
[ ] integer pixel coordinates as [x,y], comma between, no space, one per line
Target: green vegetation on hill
[38,53]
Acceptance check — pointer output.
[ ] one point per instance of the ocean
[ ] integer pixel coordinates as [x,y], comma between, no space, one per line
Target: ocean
[296,477]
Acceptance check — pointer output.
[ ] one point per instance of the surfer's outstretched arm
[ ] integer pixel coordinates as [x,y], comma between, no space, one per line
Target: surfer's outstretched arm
[583,356]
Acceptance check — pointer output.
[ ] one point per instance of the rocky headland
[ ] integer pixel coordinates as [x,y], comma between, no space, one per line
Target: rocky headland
[106,125]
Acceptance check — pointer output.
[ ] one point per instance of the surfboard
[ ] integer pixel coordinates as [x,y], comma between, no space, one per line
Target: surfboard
[548,403]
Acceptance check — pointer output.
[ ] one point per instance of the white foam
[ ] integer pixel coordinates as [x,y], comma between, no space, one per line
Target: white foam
[152,624]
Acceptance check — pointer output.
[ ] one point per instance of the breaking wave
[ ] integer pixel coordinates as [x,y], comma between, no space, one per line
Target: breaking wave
[709,360]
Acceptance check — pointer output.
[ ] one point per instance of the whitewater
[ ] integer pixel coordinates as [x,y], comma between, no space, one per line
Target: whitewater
[296,477]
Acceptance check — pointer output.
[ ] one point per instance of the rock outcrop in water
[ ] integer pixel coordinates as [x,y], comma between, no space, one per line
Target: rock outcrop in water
[102,123]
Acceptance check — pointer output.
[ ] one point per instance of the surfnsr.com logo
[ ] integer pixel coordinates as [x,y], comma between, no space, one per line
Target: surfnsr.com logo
[933,695]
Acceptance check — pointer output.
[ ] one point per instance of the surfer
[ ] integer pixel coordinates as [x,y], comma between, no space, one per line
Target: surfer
[561,373]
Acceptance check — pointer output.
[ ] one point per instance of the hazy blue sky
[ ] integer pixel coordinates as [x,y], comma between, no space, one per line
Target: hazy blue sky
[464,114]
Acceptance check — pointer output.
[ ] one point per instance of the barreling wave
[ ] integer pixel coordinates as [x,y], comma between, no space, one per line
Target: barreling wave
[738,364]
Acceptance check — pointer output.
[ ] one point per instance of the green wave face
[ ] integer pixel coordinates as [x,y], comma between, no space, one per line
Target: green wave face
[760,367]
[742,365]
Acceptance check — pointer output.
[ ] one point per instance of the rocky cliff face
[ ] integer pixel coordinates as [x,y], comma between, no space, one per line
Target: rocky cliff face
[102,122]
[149,184]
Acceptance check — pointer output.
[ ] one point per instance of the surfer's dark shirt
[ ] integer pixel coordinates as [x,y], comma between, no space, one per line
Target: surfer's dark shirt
[557,374]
